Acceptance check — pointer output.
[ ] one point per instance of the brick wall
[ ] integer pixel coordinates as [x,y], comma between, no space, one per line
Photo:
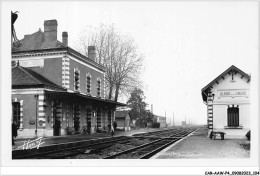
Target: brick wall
[83,72]
[52,70]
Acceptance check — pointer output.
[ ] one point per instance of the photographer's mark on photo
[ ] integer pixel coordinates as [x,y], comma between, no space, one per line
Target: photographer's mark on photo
[30,144]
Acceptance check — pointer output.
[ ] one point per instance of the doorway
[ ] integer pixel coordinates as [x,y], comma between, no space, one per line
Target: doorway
[56,124]
[76,117]
[16,114]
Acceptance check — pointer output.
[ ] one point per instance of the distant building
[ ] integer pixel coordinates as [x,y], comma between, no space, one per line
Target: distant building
[228,102]
[161,120]
[55,88]
[123,120]
[183,123]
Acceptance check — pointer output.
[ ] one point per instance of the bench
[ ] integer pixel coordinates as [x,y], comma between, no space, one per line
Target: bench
[71,131]
[214,134]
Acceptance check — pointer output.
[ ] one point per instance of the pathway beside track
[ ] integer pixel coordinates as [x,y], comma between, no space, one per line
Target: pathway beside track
[198,146]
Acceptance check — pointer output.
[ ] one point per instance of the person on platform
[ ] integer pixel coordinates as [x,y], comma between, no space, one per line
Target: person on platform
[14,132]
[145,126]
[115,125]
[112,131]
[109,127]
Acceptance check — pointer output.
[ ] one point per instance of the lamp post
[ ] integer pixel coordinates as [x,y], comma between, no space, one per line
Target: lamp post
[36,105]
[213,95]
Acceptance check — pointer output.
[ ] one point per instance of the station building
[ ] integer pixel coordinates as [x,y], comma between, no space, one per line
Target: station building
[227,98]
[55,88]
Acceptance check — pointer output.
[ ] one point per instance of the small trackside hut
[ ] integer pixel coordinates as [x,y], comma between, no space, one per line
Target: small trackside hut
[160,119]
[123,120]
[228,103]
[55,89]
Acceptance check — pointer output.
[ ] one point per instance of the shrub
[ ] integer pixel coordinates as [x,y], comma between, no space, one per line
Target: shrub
[248,134]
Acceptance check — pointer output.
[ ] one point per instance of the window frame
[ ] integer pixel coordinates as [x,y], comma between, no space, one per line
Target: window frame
[17,115]
[233,116]
[98,87]
[76,82]
[88,83]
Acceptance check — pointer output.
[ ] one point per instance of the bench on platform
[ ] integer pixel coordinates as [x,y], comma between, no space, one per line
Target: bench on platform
[214,134]
[71,130]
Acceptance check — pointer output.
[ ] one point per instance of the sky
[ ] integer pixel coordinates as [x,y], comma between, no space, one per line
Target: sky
[185,44]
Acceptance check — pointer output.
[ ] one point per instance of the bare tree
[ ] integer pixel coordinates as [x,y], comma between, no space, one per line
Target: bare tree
[118,53]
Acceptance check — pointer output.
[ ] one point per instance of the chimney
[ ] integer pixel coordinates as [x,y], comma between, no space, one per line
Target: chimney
[50,30]
[92,53]
[65,39]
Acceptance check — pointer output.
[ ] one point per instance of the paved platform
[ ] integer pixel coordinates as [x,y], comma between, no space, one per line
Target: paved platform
[80,137]
[198,146]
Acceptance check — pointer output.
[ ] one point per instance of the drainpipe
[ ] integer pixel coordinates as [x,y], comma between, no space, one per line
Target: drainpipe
[36,123]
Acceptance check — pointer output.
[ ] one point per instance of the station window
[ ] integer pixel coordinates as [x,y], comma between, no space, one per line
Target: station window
[16,113]
[88,84]
[233,116]
[76,80]
[99,87]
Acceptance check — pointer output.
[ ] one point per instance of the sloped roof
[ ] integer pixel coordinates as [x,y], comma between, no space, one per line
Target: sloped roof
[25,77]
[97,99]
[160,117]
[206,89]
[34,43]
[121,114]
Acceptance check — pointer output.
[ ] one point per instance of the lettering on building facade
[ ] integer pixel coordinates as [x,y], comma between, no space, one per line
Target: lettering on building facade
[32,63]
[233,93]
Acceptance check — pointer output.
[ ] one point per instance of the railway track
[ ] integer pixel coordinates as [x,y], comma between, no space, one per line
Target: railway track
[139,146]
[144,151]
[89,149]
[148,150]
[167,133]
[61,153]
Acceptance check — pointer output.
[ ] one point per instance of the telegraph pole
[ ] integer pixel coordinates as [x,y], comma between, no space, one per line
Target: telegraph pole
[173,119]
